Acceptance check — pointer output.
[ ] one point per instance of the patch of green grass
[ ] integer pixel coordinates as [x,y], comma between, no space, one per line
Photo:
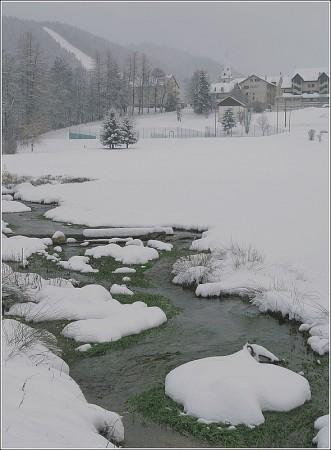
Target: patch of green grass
[162,302]
[293,429]
[106,265]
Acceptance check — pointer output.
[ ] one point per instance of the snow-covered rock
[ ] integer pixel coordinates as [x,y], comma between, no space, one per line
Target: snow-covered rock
[159,245]
[59,237]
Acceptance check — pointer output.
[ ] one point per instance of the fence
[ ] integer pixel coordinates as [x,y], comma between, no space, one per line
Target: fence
[81,136]
[210,132]
[187,133]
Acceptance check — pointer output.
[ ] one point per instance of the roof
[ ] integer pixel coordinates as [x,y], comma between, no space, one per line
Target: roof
[217,88]
[161,81]
[310,74]
[287,82]
[230,101]
[305,95]
[273,80]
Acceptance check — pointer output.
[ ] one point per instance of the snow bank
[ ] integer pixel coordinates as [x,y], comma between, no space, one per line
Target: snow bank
[133,254]
[130,319]
[100,318]
[44,407]
[272,287]
[135,242]
[235,389]
[14,207]
[322,439]
[4,228]
[120,289]
[15,247]
[120,232]
[124,270]
[7,197]
[78,263]
[159,245]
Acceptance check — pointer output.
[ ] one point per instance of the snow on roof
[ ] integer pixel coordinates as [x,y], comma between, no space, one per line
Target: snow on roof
[310,74]
[287,82]
[225,87]
[305,95]
[274,80]
[221,87]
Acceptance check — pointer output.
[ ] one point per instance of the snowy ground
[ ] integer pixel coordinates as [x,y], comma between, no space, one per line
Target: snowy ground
[268,192]
[271,192]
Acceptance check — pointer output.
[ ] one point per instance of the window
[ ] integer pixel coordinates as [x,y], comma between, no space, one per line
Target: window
[246,87]
[256,80]
[251,80]
[313,85]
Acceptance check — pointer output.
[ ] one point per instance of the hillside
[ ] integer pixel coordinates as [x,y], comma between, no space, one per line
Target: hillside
[177,62]
[13,28]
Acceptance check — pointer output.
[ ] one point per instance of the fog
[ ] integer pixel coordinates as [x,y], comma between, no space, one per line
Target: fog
[261,37]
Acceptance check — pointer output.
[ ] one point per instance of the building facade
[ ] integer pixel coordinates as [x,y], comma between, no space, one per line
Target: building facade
[306,87]
[261,90]
[230,103]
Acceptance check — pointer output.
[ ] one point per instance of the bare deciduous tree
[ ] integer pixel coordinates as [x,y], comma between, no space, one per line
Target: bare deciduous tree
[263,123]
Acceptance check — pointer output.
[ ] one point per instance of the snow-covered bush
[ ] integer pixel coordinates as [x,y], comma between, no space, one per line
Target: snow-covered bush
[242,255]
[14,290]
[195,269]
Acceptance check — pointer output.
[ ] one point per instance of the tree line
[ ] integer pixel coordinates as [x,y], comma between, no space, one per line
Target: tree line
[38,97]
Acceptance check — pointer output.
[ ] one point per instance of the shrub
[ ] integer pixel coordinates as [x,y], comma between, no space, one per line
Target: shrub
[311,134]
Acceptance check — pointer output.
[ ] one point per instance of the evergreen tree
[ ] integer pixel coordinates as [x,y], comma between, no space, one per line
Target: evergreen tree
[111,131]
[129,135]
[171,102]
[228,121]
[202,99]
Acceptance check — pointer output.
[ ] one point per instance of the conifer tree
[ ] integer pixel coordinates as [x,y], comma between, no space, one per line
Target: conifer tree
[202,99]
[228,121]
[129,135]
[111,131]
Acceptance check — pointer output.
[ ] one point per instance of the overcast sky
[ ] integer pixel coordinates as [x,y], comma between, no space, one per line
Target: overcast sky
[261,37]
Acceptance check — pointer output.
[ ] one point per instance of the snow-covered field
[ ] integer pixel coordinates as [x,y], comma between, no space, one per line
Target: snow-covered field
[270,193]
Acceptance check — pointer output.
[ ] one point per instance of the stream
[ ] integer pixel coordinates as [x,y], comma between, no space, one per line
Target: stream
[204,327]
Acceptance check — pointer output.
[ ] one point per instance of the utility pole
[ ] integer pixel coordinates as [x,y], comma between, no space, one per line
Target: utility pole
[289,120]
[277,118]
[215,119]
[285,111]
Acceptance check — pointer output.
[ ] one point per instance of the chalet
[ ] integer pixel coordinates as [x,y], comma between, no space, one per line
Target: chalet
[156,92]
[230,103]
[262,90]
[306,87]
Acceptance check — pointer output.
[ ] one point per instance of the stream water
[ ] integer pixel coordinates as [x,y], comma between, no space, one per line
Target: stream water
[205,327]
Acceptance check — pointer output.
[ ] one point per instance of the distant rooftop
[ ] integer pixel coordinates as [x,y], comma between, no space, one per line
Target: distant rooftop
[310,74]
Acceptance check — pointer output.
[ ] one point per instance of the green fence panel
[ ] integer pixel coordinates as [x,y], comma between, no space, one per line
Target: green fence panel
[81,136]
